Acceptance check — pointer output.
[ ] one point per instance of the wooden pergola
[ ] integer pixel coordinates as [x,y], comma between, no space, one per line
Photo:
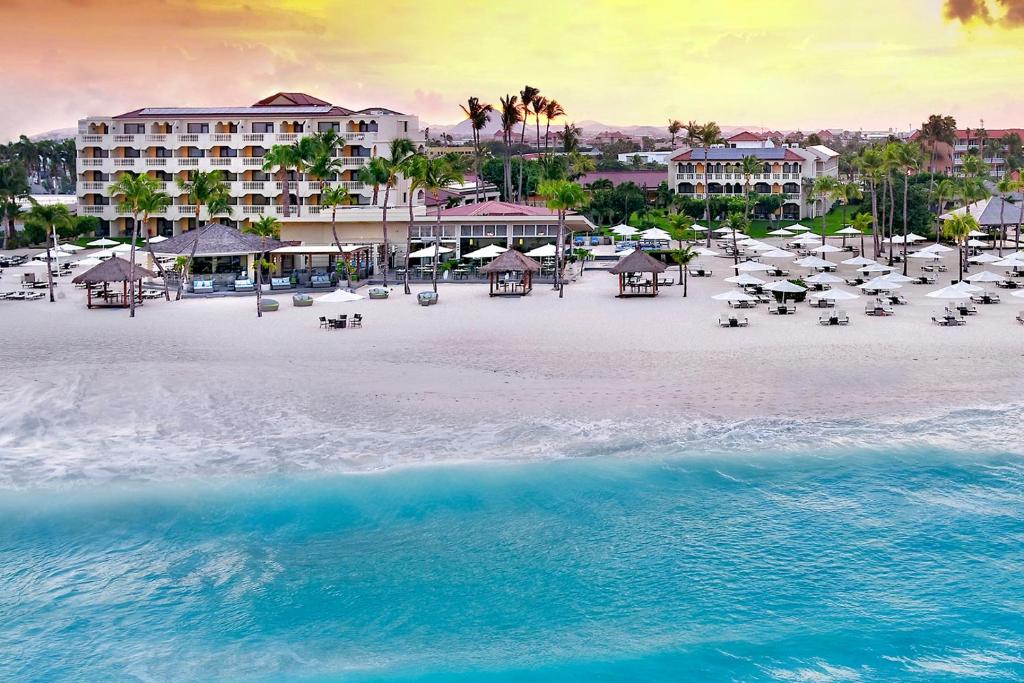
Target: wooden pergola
[638,262]
[517,269]
[114,269]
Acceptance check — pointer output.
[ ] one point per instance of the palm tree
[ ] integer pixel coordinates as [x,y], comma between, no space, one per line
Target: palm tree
[825,186]
[50,217]
[683,257]
[570,136]
[552,110]
[738,223]
[862,222]
[562,196]
[434,176]
[510,113]
[281,159]
[849,192]
[479,114]
[937,129]
[334,197]
[414,172]
[526,97]
[264,227]
[749,166]
[204,188]
[703,136]
[539,104]
[674,127]
[909,159]
[957,228]
[1004,187]
[872,164]
[140,196]
[13,188]
[945,191]
[391,167]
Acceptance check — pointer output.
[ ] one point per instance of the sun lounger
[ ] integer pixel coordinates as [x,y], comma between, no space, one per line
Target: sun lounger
[280,283]
[33,296]
[202,286]
[244,285]
[732,321]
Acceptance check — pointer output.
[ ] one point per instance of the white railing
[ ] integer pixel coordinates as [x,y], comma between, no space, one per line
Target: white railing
[188,137]
[92,185]
[255,209]
[91,162]
[252,161]
[221,161]
[125,163]
[287,137]
[254,185]
[92,210]
[156,137]
[221,137]
[156,161]
[253,137]
[188,161]
[124,138]
[92,138]
[354,161]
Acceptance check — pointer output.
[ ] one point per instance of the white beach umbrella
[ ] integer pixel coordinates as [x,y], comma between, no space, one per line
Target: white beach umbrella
[722,230]
[339,296]
[782,232]
[104,254]
[835,295]
[751,267]
[958,291]
[70,248]
[985,276]
[823,279]
[1012,262]
[808,239]
[898,278]
[926,255]
[744,279]
[122,249]
[848,230]
[102,242]
[698,228]
[547,251]
[786,287]
[937,248]
[760,247]
[985,258]
[428,252]
[88,262]
[490,251]
[914,237]
[977,233]
[778,253]
[157,239]
[1019,295]
[623,230]
[976,243]
[859,261]
[734,295]
[797,227]
[826,249]
[655,234]
[703,251]
[875,268]
[41,256]
[881,284]
[814,262]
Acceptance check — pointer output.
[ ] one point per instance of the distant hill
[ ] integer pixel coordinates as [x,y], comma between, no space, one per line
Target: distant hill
[57,134]
[590,127]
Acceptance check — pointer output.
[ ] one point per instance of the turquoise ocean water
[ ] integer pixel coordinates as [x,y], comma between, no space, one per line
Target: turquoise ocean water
[837,566]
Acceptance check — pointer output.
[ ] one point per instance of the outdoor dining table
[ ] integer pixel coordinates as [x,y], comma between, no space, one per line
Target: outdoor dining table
[985,299]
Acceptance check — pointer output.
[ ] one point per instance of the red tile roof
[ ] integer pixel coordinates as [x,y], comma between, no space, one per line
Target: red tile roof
[290,99]
[747,136]
[737,153]
[995,133]
[497,208]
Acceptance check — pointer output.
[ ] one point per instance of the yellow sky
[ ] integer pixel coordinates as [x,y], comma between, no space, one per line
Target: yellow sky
[778,63]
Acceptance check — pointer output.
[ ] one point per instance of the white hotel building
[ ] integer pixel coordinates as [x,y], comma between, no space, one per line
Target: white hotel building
[693,172]
[170,143]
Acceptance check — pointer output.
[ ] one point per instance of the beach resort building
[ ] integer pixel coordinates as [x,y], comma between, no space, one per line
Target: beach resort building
[696,172]
[949,159]
[171,143]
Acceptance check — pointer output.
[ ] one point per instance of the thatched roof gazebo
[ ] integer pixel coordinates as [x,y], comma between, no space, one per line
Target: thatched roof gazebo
[114,269]
[629,266]
[516,271]
[215,239]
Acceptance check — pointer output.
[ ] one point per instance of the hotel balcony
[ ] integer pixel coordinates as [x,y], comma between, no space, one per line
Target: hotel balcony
[206,140]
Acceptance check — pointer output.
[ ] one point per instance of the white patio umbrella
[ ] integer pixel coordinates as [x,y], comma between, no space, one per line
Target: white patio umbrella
[157,239]
[698,228]
[808,239]
[824,279]
[985,276]
[976,243]
[623,230]
[734,295]
[914,237]
[428,252]
[704,251]
[41,256]
[785,287]
[848,230]
[490,251]
[797,227]
[88,262]
[104,254]
[985,258]
[881,284]
[782,232]
[1012,262]
[937,248]
[744,279]
[760,247]
[70,248]
[858,261]
[722,230]
[826,249]
[898,278]
[544,251]
[958,291]
[926,255]
[339,296]
[814,262]
[836,295]
[102,242]
[875,268]
[655,234]
[122,249]
[977,233]
[1019,295]
[778,253]
[751,267]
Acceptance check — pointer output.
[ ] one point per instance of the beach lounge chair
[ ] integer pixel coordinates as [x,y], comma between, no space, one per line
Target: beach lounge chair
[280,283]
[357,320]
[318,281]
[202,286]
[730,320]
[33,296]
[28,280]
[244,285]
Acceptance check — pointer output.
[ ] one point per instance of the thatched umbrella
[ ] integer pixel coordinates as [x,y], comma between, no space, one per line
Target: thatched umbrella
[114,269]
[638,262]
[511,261]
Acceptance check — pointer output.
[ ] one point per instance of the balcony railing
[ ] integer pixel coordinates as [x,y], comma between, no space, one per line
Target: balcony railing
[92,210]
[156,137]
[287,137]
[92,138]
[221,137]
[256,209]
[188,137]
[91,162]
[92,185]
[252,161]
[253,137]
[258,185]
[221,161]
[124,138]
[188,161]
[125,163]
[156,161]
[354,161]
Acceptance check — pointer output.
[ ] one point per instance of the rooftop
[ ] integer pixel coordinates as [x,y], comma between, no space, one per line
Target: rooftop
[282,103]
[747,136]
[215,239]
[737,154]
[497,208]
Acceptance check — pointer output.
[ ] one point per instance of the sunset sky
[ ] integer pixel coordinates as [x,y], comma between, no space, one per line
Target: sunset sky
[779,63]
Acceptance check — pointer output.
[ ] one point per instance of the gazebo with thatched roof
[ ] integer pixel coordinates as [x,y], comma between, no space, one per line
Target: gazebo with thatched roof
[628,269]
[510,274]
[114,269]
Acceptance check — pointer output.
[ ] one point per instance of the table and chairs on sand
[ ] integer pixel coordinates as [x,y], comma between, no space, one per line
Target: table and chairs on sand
[835,317]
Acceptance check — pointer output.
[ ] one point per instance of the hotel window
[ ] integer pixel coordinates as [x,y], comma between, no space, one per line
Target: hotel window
[134,128]
[198,128]
[195,152]
[131,153]
[323,126]
[517,231]
[262,127]
[163,153]
[405,126]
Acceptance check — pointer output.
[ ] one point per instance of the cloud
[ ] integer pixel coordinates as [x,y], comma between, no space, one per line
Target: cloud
[1011,12]
[967,10]
[1014,12]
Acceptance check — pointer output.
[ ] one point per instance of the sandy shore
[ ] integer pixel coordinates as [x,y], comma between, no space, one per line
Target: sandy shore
[474,361]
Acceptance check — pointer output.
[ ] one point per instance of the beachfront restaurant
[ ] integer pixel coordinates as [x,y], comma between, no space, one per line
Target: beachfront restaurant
[301,262]
[222,253]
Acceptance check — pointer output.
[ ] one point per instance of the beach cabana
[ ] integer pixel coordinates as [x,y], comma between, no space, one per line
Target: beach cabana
[113,270]
[221,253]
[510,274]
[638,262]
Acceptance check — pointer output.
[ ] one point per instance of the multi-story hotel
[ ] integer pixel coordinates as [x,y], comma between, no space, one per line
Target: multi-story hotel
[949,159]
[171,143]
[693,172]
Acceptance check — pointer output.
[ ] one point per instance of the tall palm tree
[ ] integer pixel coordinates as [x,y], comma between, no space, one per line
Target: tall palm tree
[679,227]
[945,191]
[1005,186]
[391,167]
[749,166]
[862,222]
[539,104]
[909,162]
[50,217]
[684,256]
[334,196]
[510,113]
[265,227]
[674,128]
[526,97]
[570,136]
[957,229]
[414,171]
[204,188]
[552,110]
[937,129]
[824,187]
[703,136]
[562,196]
[872,164]
[435,175]
[479,114]
[140,196]
[282,159]
[13,188]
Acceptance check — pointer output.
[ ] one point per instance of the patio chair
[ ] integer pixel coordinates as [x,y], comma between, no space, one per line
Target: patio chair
[324,324]
[244,285]
[1020,318]
[280,283]
[357,320]
[318,281]
[339,323]
[202,286]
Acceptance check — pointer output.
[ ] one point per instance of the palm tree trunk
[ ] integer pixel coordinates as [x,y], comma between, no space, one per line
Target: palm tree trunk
[560,256]
[685,278]
[874,217]
[49,263]
[408,245]
[437,244]
[191,256]
[824,211]
[1002,223]
[337,243]
[259,279]
[159,268]
[522,141]
[906,188]
[131,268]
[707,198]
[284,188]
[384,229]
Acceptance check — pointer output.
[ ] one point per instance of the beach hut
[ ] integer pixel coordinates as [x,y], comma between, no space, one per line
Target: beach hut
[510,274]
[114,269]
[638,262]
